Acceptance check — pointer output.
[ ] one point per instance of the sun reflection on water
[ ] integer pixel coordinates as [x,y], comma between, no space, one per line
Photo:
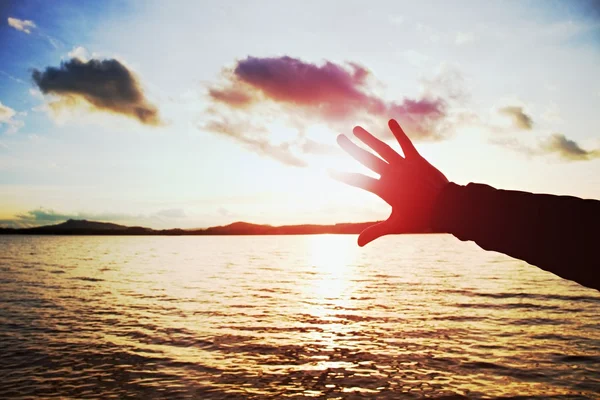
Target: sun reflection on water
[334,260]
[268,317]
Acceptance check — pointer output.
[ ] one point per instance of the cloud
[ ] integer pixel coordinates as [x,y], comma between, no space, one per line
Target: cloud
[290,80]
[27,26]
[520,119]
[310,146]
[567,149]
[7,115]
[21,25]
[102,85]
[305,94]
[43,216]
[12,78]
[515,145]
[233,97]
[260,145]
[557,143]
[464,38]
[79,53]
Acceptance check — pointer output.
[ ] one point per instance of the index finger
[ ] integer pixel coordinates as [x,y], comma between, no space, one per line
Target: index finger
[408,148]
[380,147]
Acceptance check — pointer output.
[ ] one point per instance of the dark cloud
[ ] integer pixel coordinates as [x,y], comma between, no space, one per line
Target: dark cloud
[304,94]
[557,143]
[105,85]
[567,149]
[520,119]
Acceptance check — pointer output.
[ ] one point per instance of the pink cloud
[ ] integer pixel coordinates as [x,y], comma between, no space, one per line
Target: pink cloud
[330,91]
[291,80]
[304,93]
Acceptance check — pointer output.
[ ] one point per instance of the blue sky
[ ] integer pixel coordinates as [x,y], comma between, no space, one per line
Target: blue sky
[516,84]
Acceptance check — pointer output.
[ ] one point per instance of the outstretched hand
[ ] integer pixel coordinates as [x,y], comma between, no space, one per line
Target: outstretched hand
[409,184]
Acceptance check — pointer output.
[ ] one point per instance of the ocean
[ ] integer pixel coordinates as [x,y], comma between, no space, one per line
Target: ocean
[253,317]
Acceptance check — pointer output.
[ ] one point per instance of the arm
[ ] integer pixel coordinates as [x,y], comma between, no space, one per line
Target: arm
[556,233]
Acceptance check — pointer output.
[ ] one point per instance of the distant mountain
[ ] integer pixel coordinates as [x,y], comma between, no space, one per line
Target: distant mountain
[76,224]
[84,227]
[245,228]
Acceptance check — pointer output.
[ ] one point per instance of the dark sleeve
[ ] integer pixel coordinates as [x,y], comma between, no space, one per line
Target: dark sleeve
[560,234]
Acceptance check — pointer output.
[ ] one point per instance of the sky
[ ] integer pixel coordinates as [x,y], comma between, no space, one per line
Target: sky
[194,114]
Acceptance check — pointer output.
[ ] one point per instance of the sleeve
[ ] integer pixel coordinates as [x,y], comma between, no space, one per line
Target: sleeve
[559,234]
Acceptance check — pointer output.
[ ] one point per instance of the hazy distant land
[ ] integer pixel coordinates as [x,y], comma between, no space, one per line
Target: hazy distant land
[84,227]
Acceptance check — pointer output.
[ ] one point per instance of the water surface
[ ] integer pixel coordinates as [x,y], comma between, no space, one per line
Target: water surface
[415,316]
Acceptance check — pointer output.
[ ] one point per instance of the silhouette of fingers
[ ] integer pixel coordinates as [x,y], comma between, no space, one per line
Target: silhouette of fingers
[362,156]
[373,232]
[358,180]
[408,148]
[380,147]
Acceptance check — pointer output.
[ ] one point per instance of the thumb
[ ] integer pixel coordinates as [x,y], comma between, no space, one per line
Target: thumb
[373,232]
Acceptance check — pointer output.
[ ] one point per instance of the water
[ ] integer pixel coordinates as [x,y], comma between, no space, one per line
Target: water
[416,316]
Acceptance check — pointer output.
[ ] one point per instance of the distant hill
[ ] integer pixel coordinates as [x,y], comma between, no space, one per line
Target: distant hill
[84,227]
[245,228]
[75,224]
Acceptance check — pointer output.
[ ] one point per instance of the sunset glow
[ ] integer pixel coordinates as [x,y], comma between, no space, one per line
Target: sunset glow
[201,114]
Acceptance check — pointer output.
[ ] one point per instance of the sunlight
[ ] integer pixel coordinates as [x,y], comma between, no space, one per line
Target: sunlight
[332,256]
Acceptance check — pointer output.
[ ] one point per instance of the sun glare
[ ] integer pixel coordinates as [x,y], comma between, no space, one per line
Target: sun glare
[332,253]
[333,257]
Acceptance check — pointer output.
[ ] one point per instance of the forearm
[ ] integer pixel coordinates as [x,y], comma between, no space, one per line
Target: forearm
[555,233]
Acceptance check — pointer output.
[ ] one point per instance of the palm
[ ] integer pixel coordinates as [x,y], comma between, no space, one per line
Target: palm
[409,184]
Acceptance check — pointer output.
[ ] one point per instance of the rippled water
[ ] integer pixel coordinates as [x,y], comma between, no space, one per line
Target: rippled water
[416,316]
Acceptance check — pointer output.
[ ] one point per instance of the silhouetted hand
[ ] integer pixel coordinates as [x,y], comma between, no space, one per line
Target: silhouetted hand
[409,184]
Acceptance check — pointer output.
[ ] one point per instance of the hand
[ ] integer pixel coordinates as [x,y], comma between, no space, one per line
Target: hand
[409,184]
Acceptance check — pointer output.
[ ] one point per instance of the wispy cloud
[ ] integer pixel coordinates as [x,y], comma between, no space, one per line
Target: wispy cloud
[567,149]
[13,78]
[7,117]
[28,26]
[520,119]
[6,113]
[254,141]
[101,85]
[464,38]
[305,93]
[557,144]
[329,92]
[313,147]
[23,25]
